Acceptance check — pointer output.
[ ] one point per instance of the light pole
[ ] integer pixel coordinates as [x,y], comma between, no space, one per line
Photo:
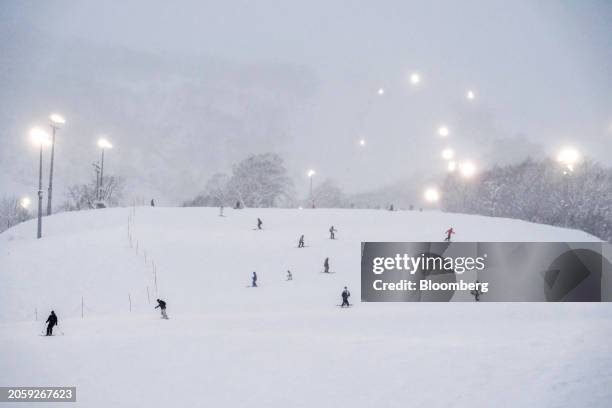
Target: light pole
[310,174]
[568,157]
[56,122]
[102,144]
[468,170]
[40,138]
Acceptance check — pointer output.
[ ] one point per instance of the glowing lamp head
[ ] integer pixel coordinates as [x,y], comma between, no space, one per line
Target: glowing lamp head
[568,156]
[57,120]
[40,137]
[470,95]
[104,144]
[25,202]
[381,91]
[452,166]
[311,173]
[443,131]
[431,195]
[362,142]
[468,169]
[448,153]
[415,78]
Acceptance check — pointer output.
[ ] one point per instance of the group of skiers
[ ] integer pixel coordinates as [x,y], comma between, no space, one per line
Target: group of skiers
[52,320]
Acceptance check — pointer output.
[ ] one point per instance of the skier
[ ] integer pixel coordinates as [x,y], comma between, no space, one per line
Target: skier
[476,292]
[52,321]
[332,232]
[345,295]
[289,275]
[391,208]
[254,278]
[221,211]
[449,232]
[152,203]
[301,241]
[326,265]
[162,306]
[237,206]
[259,223]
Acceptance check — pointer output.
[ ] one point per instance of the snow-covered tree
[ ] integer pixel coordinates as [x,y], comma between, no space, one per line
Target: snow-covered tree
[328,195]
[215,193]
[261,181]
[12,212]
[538,191]
[84,196]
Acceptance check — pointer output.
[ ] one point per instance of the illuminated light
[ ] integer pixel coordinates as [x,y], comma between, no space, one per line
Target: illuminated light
[104,144]
[431,195]
[448,153]
[443,131]
[40,137]
[468,169]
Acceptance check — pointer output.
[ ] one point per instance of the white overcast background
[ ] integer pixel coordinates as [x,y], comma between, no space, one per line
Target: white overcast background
[186,88]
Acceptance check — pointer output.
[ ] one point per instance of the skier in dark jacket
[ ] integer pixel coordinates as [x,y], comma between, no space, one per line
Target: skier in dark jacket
[476,292]
[301,242]
[332,232]
[51,321]
[345,295]
[326,265]
[162,306]
[289,276]
[152,203]
[254,278]
[259,223]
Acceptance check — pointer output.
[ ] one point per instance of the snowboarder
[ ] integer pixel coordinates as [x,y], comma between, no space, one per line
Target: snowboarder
[301,241]
[221,211]
[51,321]
[162,306]
[289,275]
[345,295]
[476,292]
[332,232]
[449,232]
[152,203]
[259,223]
[326,265]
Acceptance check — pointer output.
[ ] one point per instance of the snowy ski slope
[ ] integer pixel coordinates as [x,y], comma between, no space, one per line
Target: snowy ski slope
[283,344]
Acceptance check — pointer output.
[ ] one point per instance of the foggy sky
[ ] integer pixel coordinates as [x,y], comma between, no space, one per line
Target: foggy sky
[309,72]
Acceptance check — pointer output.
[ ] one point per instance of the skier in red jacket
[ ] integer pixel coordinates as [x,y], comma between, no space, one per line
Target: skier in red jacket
[449,232]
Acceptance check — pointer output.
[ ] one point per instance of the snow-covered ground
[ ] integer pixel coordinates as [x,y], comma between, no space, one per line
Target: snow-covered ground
[283,344]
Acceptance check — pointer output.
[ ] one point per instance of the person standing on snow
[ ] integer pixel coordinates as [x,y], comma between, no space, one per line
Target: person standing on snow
[221,211]
[254,280]
[449,232]
[259,223]
[332,232]
[326,265]
[476,292]
[289,276]
[51,321]
[162,306]
[152,202]
[345,295]
[301,242]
